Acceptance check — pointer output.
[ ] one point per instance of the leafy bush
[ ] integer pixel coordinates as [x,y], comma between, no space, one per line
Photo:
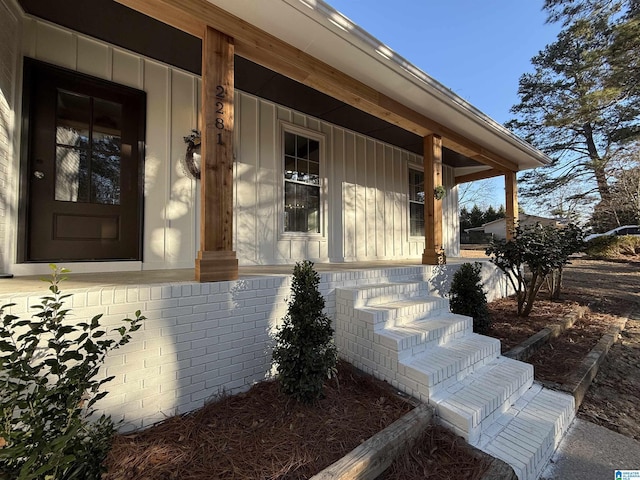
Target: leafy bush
[48,389]
[467,296]
[305,352]
[543,250]
[612,246]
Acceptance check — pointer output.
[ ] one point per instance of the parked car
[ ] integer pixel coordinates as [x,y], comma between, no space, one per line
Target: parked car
[624,230]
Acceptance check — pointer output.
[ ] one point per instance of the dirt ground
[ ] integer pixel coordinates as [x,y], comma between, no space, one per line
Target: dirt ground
[613,400]
[229,439]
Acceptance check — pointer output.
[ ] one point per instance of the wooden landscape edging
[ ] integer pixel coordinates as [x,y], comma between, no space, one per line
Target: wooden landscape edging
[371,458]
[580,380]
[532,344]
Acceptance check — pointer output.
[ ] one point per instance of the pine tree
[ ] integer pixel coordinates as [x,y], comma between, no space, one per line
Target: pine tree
[581,105]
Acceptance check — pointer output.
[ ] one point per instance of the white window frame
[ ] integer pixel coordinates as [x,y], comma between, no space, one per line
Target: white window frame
[322,186]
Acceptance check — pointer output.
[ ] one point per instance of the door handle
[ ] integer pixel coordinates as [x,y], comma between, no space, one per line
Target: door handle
[38,174]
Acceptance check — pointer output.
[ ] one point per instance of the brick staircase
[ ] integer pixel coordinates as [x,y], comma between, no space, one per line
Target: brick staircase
[402,334]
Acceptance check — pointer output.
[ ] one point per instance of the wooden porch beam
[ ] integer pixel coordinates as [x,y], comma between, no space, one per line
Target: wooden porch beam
[256,45]
[512,212]
[433,251]
[483,175]
[216,259]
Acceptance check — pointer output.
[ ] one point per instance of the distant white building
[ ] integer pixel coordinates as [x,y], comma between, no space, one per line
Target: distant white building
[498,228]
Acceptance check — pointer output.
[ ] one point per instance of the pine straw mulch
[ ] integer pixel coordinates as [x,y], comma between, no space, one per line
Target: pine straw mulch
[262,434]
[512,330]
[437,454]
[555,361]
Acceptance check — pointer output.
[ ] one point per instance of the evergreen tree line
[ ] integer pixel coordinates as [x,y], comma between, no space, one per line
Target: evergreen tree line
[477,217]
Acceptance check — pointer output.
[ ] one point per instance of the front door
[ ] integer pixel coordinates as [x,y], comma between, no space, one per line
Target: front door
[85,164]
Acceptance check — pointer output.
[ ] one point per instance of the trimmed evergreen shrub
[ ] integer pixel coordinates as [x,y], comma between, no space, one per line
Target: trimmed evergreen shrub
[467,296]
[305,353]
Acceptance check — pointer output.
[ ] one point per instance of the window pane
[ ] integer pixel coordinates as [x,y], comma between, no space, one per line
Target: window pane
[290,170]
[105,166]
[416,219]
[302,147]
[303,170]
[72,175]
[314,173]
[73,118]
[314,150]
[302,208]
[416,186]
[105,178]
[311,212]
[289,144]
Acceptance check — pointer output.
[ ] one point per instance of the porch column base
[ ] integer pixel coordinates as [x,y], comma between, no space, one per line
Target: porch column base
[216,266]
[434,257]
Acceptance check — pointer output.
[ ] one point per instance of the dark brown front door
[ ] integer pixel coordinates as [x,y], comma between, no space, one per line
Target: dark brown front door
[85,162]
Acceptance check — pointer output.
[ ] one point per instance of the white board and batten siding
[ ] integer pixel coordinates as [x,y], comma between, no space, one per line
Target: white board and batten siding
[364,192]
[9,54]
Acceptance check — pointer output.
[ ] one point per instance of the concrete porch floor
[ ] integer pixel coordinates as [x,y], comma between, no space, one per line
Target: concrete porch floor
[35,283]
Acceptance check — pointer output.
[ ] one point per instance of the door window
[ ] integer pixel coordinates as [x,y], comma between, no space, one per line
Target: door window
[88,144]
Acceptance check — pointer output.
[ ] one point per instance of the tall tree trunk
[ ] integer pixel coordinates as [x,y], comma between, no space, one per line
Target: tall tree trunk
[557,284]
[597,164]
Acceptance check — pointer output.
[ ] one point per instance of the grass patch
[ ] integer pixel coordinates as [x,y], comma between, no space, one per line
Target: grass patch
[613,247]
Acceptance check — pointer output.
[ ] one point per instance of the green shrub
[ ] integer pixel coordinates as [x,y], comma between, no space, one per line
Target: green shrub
[612,246]
[543,250]
[467,296]
[305,353]
[48,389]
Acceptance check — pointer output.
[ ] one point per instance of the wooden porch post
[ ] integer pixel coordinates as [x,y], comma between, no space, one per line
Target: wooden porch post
[511,190]
[216,260]
[433,251]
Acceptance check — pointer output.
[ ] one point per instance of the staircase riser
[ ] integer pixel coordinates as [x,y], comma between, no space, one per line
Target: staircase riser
[471,426]
[443,378]
[532,433]
[402,316]
[375,295]
[419,342]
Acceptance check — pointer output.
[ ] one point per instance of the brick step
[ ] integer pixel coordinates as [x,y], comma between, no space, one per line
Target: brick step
[474,402]
[399,312]
[414,337]
[528,433]
[377,293]
[441,366]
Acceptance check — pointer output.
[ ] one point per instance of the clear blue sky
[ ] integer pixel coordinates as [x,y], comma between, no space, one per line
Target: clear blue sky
[477,48]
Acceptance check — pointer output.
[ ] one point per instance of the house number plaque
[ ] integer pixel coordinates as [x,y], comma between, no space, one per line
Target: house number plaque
[220,96]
